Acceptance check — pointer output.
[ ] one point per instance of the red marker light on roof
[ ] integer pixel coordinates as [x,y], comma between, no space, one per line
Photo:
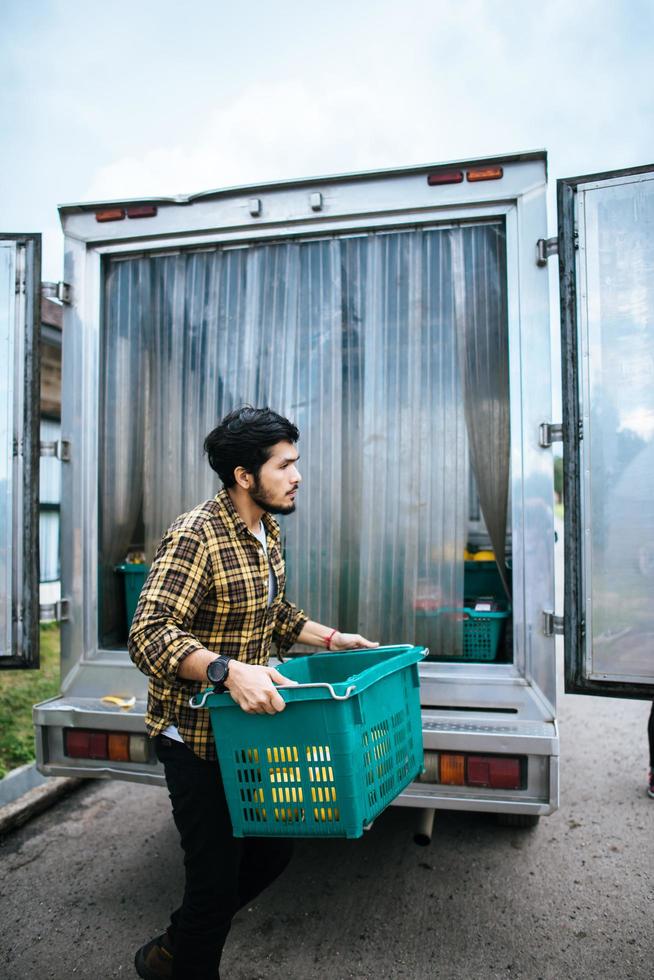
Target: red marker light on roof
[110,214]
[485,173]
[445,177]
[142,211]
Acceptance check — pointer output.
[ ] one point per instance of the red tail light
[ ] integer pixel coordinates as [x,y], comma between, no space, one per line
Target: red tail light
[486,771]
[116,746]
[85,745]
[497,772]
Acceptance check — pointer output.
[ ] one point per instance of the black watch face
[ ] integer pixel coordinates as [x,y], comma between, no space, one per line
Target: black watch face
[217,671]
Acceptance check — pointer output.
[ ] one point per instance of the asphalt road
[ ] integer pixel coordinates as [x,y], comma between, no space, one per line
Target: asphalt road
[85,884]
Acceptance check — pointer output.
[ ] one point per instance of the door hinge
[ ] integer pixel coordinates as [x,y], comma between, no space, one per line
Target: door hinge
[553,432]
[544,248]
[60,449]
[550,432]
[552,625]
[55,612]
[57,290]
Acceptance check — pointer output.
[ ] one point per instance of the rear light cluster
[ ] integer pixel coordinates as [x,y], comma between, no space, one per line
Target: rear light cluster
[117,746]
[456,176]
[484,771]
[117,214]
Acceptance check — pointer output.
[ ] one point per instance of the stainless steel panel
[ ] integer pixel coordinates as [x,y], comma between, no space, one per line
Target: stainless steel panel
[532,471]
[615,297]
[20,272]
[7,394]
[79,504]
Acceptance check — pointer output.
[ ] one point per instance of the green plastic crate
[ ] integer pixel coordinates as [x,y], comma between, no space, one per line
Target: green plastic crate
[347,743]
[134,576]
[482,632]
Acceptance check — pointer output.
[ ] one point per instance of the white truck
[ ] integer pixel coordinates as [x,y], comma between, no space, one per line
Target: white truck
[401,319]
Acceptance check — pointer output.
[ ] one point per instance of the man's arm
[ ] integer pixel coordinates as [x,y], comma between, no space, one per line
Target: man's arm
[159,641]
[317,635]
[292,626]
[252,686]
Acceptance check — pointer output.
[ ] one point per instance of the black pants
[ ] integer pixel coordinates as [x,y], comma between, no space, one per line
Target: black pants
[650,734]
[223,873]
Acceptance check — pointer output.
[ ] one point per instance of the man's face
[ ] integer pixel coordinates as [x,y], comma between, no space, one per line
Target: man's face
[278,480]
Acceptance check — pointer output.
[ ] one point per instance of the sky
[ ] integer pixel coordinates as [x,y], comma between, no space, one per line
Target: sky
[131,98]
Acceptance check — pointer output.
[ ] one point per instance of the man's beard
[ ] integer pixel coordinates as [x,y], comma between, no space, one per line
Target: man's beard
[260,498]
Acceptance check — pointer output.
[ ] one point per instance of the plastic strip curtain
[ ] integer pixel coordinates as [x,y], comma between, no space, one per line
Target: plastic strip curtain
[479,277]
[413,449]
[354,339]
[122,398]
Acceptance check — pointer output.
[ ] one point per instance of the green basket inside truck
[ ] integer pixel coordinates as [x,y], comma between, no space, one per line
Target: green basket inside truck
[134,576]
[482,632]
[347,743]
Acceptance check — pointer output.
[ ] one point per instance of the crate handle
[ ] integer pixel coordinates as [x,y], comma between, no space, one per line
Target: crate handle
[289,687]
[337,697]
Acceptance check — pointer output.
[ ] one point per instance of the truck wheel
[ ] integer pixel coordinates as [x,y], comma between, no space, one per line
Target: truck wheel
[518,819]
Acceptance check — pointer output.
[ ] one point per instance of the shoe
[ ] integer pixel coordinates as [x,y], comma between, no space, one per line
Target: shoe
[154,961]
[650,786]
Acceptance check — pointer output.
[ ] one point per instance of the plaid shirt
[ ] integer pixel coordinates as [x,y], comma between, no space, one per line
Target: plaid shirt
[207,588]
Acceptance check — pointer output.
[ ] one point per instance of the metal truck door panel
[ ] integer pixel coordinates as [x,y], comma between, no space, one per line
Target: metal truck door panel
[20,283]
[606,257]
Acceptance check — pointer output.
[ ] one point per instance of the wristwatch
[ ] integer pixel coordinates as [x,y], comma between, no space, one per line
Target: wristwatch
[218,672]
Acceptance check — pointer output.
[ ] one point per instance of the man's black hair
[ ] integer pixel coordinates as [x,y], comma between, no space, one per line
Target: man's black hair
[245,438]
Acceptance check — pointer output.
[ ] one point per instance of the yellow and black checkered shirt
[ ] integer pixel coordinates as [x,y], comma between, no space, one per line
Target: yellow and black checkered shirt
[207,588]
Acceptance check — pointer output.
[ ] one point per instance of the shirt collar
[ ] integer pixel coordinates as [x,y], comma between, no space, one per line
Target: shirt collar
[236,524]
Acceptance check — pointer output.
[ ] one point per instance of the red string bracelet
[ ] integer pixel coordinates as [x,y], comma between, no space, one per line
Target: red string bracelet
[328,641]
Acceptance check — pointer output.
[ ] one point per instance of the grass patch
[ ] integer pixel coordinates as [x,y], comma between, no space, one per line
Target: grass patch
[19,690]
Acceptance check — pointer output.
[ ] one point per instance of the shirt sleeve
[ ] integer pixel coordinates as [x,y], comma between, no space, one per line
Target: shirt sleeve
[178,581]
[289,623]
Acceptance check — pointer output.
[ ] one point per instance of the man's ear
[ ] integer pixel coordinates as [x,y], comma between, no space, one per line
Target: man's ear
[243,478]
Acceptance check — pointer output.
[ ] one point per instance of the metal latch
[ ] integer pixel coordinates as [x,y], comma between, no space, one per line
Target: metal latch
[544,248]
[60,449]
[57,290]
[550,432]
[55,612]
[552,625]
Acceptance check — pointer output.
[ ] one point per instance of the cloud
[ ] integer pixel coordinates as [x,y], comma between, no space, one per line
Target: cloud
[468,80]
[269,132]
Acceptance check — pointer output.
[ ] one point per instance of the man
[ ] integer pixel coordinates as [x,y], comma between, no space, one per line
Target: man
[211,606]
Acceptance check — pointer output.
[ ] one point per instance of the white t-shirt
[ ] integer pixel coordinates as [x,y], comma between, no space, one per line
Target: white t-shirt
[260,535]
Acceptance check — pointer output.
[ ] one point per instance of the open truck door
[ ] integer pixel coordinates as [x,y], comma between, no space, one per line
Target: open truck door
[606,263]
[20,321]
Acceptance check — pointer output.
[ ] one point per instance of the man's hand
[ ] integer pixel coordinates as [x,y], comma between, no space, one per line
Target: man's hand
[350,641]
[253,687]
